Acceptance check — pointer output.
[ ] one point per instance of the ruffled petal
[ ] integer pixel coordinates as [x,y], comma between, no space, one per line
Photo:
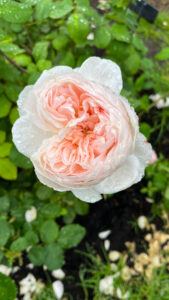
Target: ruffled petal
[103,71]
[129,172]
[88,195]
[27,137]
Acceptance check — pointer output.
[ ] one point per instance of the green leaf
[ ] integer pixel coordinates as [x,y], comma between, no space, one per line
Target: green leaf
[8,72]
[5,106]
[82,3]
[31,237]
[163,54]
[43,192]
[44,64]
[102,37]
[120,33]
[14,115]
[37,255]
[138,44]
[5,149]
[43,9]
[22,60]
[7,169]
[70,216]
[2,136]
[60,42]
[4,204]
[8,289]
[15,12]
[61,9]
[52,210]
[19,160]
[82,208]
[78,27]
[54,257]
[20,244]
[49,231]
[40,50]
[12,91]
[71,235]
[10,48]
[5,232]
[132,64]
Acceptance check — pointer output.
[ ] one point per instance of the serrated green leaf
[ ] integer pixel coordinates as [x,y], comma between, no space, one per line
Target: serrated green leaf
[5,149]
[49,231]
[5,232]
[12,91]
[14,115]
[54,257]
[61,9]
[163,54]
[120,33]
[15,12]
[8,170]
[8,72]
[52,210]
[43,9]
[37,255]
[5,106]
[20,244]
[19,159]
[31,237]
[43,192]
[10,48]
[145,128]
[22,60]
[40,50]
[71,235]
[82,208]
[78,27]
[60,41]
[102,37]
[44,64]
[8,288]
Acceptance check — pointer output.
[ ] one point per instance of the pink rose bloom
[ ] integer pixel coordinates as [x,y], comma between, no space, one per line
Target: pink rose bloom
[80,134]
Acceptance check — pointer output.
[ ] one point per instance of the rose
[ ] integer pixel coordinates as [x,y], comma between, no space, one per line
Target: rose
[80,134]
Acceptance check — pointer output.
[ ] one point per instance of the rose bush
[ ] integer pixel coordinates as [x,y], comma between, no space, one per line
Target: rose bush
[80,134]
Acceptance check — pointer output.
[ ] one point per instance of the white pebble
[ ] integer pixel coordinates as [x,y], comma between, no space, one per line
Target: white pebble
[106,285]
[142,222]
[15,269]
[90,36]
[5,270]
[31,214]
[107,245]
[104,234]
[114,255]
[58,274]
[58,288]
[113,267]
[28,284]
[30,266]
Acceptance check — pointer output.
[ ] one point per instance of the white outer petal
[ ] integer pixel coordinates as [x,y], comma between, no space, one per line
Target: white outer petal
[25,97]
[26,136]
[103,71]
[52,74]
[131,171]
[88,195]
[46,181]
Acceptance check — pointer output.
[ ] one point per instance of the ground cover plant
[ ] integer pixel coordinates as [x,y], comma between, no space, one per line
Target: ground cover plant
[41,229]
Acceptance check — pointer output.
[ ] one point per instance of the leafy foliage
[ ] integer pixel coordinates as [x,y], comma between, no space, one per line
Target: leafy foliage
[35,36]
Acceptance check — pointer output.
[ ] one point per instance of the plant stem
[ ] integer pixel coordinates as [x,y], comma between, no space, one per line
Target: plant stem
[12,62]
